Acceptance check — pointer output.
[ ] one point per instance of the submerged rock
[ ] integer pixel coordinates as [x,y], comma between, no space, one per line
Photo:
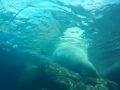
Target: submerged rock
[51,76]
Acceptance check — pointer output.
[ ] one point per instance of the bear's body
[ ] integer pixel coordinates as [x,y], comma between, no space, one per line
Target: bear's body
[74,58]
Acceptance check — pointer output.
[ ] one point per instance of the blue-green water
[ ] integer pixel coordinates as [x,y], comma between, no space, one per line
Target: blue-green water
[32,29]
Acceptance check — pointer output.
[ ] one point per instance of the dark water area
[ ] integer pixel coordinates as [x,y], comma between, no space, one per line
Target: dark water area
[9,75]
[31,30]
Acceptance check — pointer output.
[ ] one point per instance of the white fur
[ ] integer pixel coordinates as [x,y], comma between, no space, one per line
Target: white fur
[74,58]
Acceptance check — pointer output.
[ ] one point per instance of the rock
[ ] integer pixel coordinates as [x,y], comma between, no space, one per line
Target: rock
[101,87]
[51,76]
[90,87]
[112,85]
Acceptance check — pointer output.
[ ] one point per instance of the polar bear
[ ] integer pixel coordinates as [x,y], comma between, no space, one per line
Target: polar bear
[75,59]
[71,52]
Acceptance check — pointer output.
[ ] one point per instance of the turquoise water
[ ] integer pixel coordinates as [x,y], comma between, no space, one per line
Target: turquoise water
[32,29]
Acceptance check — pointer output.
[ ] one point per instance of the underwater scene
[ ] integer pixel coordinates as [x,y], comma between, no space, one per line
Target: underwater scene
[59,44]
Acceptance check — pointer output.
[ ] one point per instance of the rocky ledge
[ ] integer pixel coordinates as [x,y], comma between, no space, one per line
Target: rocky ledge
[51,76]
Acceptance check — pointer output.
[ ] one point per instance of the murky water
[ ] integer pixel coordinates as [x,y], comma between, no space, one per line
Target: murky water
[31,30]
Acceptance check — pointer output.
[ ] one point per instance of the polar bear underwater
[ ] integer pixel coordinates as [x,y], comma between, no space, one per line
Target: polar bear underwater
[72,56]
